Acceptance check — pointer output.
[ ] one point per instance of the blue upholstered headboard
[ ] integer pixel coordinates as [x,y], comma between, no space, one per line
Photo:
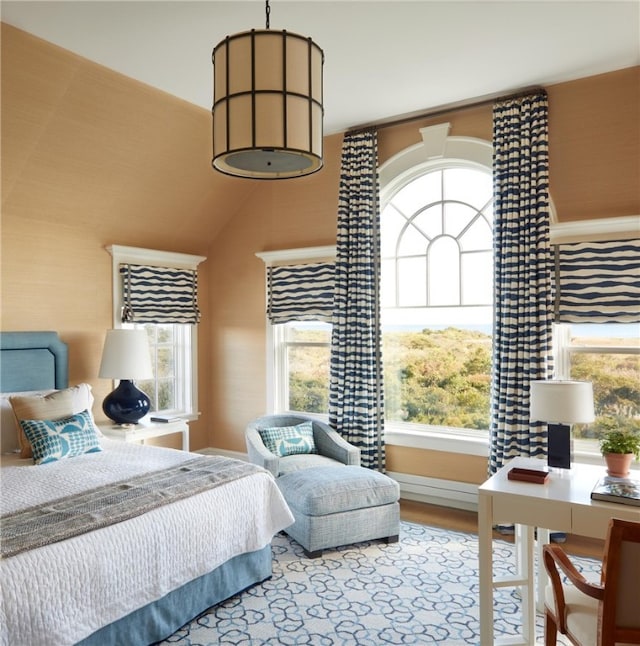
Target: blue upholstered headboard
[32,361]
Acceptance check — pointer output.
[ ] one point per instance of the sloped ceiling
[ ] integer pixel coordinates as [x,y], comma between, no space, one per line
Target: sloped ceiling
[382,59]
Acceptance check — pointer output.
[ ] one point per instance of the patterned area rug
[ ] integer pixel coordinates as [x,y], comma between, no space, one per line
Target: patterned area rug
[421,590]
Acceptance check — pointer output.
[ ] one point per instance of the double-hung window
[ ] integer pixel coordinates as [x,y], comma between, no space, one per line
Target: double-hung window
[157,291]
[299,309]
[597,336]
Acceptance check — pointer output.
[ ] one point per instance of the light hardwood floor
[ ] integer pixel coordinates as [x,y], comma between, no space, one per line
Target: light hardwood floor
[467,521]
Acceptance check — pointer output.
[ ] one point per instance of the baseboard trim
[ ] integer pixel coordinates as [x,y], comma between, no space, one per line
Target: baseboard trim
[433,491]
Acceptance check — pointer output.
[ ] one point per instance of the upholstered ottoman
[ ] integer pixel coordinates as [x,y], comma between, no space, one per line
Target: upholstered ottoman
[340,505]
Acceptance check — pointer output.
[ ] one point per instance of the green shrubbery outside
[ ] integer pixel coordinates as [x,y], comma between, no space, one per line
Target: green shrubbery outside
[443,378]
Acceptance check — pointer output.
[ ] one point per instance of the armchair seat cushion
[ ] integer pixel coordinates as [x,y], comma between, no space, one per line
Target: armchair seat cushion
[293,463]
[327,490]
[582,612]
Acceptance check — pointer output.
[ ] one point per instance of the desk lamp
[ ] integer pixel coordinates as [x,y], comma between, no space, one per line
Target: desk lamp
[561,404]
[126,357]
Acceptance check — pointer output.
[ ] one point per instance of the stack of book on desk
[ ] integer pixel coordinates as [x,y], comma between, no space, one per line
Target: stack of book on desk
[623,490]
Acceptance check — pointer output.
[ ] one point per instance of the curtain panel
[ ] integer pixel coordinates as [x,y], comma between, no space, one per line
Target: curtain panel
[300,292]
[523,306]
[159,294]
[356,390]
[597,282]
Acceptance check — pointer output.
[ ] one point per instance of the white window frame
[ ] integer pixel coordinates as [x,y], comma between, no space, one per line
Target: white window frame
[584,451]
[187,344]
[436,147]
[276,347]
[600,229]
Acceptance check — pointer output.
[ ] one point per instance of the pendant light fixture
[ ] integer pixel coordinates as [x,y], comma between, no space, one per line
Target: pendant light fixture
[267,104]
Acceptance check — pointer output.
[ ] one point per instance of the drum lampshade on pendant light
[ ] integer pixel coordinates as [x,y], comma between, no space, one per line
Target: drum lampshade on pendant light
[267,104]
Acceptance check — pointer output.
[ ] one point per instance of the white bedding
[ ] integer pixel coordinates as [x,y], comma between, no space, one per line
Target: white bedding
[64,592]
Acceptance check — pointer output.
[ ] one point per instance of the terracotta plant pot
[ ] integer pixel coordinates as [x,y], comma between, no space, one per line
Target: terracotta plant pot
[618,464]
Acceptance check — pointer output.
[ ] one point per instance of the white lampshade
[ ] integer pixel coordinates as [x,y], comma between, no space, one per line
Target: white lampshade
[561,402]
[126,355]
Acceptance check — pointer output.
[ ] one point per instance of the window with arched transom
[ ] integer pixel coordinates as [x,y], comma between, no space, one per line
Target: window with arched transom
[437,294]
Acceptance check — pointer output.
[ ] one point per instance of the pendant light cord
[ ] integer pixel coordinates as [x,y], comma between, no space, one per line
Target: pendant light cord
[268,11]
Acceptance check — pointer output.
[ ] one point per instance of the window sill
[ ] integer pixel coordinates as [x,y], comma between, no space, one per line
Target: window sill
[445,439]
[458,441]
[452,440]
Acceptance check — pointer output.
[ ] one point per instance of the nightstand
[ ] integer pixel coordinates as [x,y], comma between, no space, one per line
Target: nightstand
[145,430]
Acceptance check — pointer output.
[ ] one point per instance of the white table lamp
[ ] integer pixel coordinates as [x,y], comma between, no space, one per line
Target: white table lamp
[561,404]
[125,356]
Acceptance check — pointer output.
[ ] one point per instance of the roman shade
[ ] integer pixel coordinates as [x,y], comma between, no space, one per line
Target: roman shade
[597,282]
[300,292]
[159,294]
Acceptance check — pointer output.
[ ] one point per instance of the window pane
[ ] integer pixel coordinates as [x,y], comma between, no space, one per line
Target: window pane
[438,377]
[412,281]
[308,367]
[388,283]
[468,185]
[457,217]
[166,394]
[170,357]
[478,236]
[420,191]
[415,238]
[444,272]
[391,223]
[429,222]
[615,374]
[477,278]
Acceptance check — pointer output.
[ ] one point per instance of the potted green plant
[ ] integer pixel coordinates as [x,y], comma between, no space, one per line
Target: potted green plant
[619,448]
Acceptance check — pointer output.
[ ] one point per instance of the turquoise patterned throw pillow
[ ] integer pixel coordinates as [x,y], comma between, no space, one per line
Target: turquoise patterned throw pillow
[53,440]
[289,440]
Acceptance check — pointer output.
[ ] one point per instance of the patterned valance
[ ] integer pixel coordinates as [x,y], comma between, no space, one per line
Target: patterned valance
[159,294]
[598,282]
[300,292]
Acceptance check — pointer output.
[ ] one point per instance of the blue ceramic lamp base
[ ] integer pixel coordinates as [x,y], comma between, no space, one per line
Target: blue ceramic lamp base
[127,404]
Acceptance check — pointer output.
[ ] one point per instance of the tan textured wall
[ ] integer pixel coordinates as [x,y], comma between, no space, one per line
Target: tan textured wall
[284,215]
[594,146]
[92,158]
[471,469]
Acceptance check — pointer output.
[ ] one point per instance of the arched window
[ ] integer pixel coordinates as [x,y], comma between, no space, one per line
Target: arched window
[437,285]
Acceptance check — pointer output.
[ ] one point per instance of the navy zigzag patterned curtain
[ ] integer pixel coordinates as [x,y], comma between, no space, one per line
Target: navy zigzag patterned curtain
[356,391]
[159,294]
[598,282]
[300,292]
[523,310]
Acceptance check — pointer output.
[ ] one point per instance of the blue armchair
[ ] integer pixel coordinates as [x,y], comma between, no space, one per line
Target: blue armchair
[332,449]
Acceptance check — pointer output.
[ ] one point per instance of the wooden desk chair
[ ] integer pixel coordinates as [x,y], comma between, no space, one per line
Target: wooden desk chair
[591,614]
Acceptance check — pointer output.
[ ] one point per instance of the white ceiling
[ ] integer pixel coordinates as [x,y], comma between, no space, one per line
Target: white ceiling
[382,59]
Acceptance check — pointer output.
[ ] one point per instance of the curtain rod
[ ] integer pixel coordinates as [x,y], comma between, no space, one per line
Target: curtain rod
[443,109]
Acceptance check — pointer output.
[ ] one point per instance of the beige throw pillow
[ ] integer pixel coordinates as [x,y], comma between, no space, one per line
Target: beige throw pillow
[54,406]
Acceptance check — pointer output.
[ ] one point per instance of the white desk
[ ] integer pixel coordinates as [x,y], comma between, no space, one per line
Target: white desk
[562,504]
[147,429]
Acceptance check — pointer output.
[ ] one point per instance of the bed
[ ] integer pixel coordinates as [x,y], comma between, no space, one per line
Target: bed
[135,581]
